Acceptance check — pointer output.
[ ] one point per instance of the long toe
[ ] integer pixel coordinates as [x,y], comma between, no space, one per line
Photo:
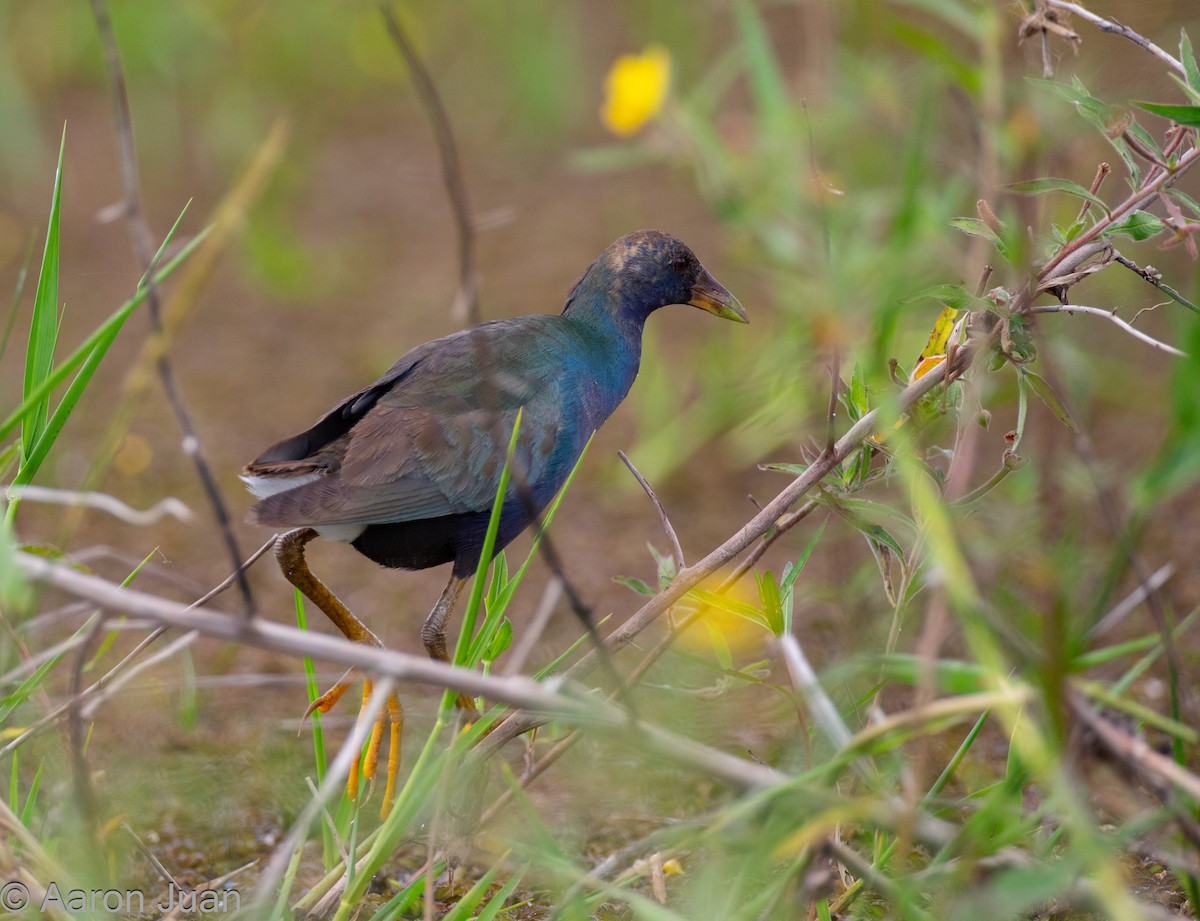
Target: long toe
[396,723]
[371,761]
[330,698]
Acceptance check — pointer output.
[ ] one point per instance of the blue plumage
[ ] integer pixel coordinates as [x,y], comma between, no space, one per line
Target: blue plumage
[406,470]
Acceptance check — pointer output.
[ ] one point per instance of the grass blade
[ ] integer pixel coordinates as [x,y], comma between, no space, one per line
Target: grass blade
[76,358]
[43,327]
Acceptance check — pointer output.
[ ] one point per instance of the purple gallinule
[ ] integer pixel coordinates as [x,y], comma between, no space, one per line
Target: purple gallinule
[407,469]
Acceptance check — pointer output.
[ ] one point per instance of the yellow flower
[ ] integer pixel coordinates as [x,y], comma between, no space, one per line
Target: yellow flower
[635,90]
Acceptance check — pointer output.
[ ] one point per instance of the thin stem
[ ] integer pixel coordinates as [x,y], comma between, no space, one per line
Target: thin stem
[466,304]
[676,549]
[143,247]
[1110,315]
[1109,25]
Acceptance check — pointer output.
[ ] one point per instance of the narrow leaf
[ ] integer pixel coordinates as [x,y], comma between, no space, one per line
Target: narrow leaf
[1188,59]
[955,296]
[1043,389]
[1137,226]
[76,358]
[974,227]
[1188,116]
[43,327]
[1039,186]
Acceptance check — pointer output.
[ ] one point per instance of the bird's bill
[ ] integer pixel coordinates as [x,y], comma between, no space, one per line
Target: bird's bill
[709,294]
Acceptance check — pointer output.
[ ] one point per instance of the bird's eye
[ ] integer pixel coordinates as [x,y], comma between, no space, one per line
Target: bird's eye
[679,263]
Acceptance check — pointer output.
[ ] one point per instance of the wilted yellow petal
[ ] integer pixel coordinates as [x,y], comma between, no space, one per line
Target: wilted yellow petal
[927,364]
[939,336]
[635,90]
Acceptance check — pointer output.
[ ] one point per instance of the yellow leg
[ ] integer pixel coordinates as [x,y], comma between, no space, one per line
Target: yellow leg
[433,635]
[290,554]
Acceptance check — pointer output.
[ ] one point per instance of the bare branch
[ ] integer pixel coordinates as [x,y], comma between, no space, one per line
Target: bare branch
[1121,610]
[676,549]
[143,247]
[544,698]
[108,683]
[466,303]
[1111,25]
[1112,316]
[1152,276]
[1133,751]
[1157,180]
[804,680]
[835,388]
[106,503]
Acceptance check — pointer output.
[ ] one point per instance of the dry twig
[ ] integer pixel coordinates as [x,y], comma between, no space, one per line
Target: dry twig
[139,231]
[466,303]
[1110,315]
[676,549]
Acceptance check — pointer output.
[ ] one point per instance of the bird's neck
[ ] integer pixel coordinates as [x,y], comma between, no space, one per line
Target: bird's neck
[612,330]
[600,304]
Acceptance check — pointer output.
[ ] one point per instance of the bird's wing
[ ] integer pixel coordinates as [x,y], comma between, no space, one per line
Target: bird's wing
[428,438]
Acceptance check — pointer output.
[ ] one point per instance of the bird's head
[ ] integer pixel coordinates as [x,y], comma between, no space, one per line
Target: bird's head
[648,269]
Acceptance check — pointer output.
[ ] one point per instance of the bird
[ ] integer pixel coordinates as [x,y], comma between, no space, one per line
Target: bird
[407,469]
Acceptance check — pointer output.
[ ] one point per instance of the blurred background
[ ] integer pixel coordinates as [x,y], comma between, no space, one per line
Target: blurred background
[812,153]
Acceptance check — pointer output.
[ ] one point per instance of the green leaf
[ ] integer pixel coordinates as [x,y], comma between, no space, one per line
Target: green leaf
[1188,116]
[31,800]
[955,296]
[1146,139]
[951,676]
[1043,389]
[500,641]
[792,469]
[771,599]
[665,564]
[974,227]
[730,606]
[467,904]
[1187,90]
[1137,226]
[106,331]
[52,428]
[1039,186]
[1186,200]
[858,405]
[465,646]
[869,529]
[1190,69]
[27,687]
[635,584]
[400,905]
[1092,109]
[43,327]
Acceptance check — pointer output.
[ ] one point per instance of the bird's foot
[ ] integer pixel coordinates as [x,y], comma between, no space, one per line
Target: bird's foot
[329,699]
[391,713]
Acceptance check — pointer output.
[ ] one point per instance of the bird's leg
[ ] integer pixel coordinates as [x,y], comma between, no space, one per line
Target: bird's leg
[289,551]
[433,633]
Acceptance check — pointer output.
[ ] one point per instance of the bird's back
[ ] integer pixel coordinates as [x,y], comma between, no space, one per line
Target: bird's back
[408,468]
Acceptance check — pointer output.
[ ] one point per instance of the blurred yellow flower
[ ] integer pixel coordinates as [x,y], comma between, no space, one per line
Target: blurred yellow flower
[635,90]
